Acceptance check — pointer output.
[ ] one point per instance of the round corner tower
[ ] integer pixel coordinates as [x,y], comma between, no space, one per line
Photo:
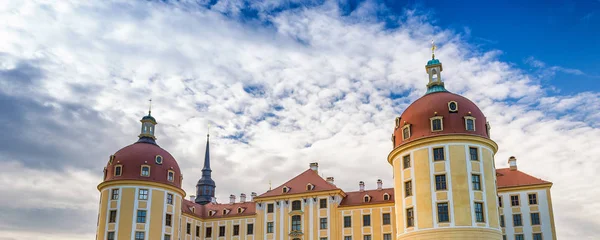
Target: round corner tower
[443,161]
[140,195]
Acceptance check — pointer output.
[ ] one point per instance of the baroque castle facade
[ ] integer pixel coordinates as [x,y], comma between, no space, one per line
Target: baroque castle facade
[446,186]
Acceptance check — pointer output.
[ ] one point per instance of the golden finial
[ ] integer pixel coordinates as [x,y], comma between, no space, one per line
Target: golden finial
[432,49]
[269,185]
[208,130]
[150,107]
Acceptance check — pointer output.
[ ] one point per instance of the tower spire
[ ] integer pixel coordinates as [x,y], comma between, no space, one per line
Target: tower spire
[205,188]
[434,70]
[148,126]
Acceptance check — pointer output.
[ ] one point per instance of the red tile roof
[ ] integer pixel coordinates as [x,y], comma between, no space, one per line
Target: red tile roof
[298,185]
[514,178]
[357,198]
[202,211]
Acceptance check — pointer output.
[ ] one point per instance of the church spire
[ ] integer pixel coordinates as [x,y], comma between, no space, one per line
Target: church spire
[205,188]
[434,69]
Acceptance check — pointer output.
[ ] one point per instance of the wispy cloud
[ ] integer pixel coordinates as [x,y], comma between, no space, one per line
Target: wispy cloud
[549,71]
[300,82]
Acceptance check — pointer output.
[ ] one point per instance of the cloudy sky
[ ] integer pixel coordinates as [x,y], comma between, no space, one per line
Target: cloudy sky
[283,83]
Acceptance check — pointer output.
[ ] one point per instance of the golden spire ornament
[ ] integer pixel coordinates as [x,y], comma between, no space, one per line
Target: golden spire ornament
[432,49]
[150,107]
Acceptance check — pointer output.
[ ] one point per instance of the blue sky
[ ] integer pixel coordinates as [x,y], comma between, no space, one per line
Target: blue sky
[283,83]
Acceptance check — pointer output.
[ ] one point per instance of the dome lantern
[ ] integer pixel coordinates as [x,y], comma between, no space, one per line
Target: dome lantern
[148,126]
[434,70]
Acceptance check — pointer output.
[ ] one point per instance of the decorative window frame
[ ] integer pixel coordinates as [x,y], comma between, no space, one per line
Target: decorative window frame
[285,189]
[162,159]
[406,126]
[240,210]
[537,199]
[171,172]
[310,187]
[225,211]
[115,170]
[441,118]
[142,170]
[470,118]
[367,198]
[450,109]
[386,197]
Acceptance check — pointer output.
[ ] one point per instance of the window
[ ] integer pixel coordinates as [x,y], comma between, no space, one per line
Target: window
[118,170]
[167,237]
[452,106]
[519,237]
[285,189]
[386,218]
[517,221]
[323,203]
[436,124]
[479,212]
[474,154]
[110,236]
[537,236]
[367,198]
[367,237]
[221,231]
[366,220]
[386,197]
[503,237]
[499,201]
[323,223]
[297,205]
[347,221]
[169,199]
[168,219]
[410,218]
[115,194]
[158,159]
[443,215]
[438,154]
[387,236]
[140,235]
[323,238]
[170,176]
[502,221]
[197,231]
[475,179]
[406,161]
[236,230]
[269,208]
[408,189]
[310,187]
[208,232]
[240,210]
[141,216]
[470,123]
[143,194]
[296,223]
[532,199]
[188,228]
[270,227]
[347,237]
[535,218]
[514,200]
[406,132]
[250,229]
[440,182]
[145,171]
[112,217]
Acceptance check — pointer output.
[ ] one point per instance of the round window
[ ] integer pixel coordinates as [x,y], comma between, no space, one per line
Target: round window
[453,106]
[159,159]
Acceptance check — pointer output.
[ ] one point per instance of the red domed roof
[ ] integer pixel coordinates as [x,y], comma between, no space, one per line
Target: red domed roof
[419,113]
[131,159]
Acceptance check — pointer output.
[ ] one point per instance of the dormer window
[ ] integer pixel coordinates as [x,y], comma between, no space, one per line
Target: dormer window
[225,211]
[386,197]
[111,159]
[487,128]
[145,171]
[285,189]
[170,176]
[240,210]
[193,209]
[437,123]
[470,123]
[406,132]
[367,198]
[211,213]
[453,106]
[158,159]
[397,122]
[310,187]
[118,170]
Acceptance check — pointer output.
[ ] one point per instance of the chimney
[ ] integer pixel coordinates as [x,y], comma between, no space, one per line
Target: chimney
[232,199]
[379,184]
[361,186]
[243,197]
[314,166]
[192,198]
[512,163]
[330,180]
[253,194]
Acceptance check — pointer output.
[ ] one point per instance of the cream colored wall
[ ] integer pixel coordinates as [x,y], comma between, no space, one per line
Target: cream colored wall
[459,194]
[357,230]
[544,208]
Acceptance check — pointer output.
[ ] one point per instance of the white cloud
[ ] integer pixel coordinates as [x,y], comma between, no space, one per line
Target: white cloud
[318,89]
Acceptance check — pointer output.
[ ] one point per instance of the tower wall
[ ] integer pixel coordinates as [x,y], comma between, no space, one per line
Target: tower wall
[128,203]
[460,194]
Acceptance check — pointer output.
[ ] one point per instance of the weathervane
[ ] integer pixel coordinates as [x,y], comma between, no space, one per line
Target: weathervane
[208,130]
[150,107]
[432,49]
[269,185]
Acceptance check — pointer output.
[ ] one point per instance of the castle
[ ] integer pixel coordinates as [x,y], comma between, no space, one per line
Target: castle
[446,186]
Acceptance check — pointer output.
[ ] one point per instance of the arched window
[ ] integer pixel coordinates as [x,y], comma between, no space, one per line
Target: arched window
[111,159]
[296,205]
[386,197]
[310,187]
[434,76]
[367,198]
[296,223]
[105,173]
[285,189]
[145,171]
[118,170]
[224,211]
[406,132]
[170,175]
[240,210]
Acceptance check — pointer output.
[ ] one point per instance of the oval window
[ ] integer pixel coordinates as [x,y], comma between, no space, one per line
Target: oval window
[452,106]
[159,159]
